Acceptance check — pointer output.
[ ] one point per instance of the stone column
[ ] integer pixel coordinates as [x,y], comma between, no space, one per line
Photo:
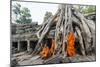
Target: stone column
[28,45]
[19,46]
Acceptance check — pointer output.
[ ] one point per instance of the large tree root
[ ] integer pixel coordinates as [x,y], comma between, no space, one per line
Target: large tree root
[69,20]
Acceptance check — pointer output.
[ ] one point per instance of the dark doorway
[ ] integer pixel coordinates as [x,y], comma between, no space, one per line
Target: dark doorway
[33,44]
[14,44]
[23,45]
[14,48]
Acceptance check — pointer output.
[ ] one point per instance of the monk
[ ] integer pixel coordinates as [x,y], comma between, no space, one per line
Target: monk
[70,44]
[45,51]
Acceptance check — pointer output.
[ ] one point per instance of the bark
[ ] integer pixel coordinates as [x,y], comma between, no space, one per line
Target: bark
[64,34]
[87,34]
[42,27]
[80,40]
[91,26]
[58,32]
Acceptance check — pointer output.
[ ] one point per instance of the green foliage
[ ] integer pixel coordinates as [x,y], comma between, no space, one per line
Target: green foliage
[87,9]
[22,14]
[16,9]
[47,16]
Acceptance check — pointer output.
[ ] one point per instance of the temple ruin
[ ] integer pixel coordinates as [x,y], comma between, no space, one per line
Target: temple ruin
[64,35]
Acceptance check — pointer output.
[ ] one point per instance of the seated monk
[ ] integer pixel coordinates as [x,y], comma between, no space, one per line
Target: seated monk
[45,51]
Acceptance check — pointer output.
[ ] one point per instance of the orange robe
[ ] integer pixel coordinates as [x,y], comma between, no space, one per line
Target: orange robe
[70,44]
[44,52]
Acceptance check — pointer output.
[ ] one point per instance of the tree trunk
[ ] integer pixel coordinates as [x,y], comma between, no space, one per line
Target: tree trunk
[69,20]
[43,33]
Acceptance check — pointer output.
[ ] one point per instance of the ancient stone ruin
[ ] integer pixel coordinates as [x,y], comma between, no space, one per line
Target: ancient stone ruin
[66,36]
